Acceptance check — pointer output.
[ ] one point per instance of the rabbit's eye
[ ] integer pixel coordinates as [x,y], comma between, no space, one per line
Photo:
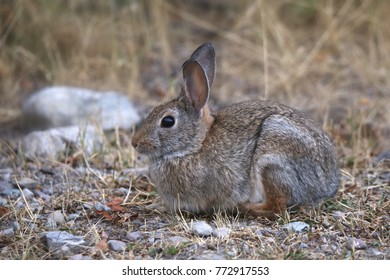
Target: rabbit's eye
[168,122]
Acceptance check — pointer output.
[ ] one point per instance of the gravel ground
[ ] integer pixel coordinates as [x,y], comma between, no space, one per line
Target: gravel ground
[88,208]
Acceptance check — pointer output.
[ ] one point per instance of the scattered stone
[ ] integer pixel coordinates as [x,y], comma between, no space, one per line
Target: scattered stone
[8,190]
[134,236]
[53,142]
[25,183]
[79,257]
[267,232]
[57,217]
[355,244]
[296,226]
[7,232]
[60,106]
[177,240]
[222,232]
[3,201]
[116,245]
[101,207]
[201,228]
[50,224]
[73,216]
[210,256]
[42,195]
[15,226]
[28,194]
[54,240]
[338,215]
[121,191]
[383,158]
[5,174]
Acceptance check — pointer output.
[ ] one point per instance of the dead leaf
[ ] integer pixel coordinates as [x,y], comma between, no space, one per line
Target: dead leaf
[115,204]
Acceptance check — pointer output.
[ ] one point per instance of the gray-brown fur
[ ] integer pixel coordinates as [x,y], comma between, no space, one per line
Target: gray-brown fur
[257,156]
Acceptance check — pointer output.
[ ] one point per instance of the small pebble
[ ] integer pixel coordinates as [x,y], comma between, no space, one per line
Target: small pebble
[355,244]
[57,217]
[201,228]
[210,256]
[177,240]
[296,226]
[54,240]
[121,191]
[101,207]
[134,236]
[3,201]
[28,194]
[73,216]
[15,226]
[222,232]
[50,224]
[116,245]
[26,183]
[79,257]
[7,232]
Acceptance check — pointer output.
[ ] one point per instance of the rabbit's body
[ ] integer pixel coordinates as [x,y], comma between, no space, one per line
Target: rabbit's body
[255,156]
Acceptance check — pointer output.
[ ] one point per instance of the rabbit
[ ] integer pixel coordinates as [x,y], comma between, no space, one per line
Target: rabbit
[257,157]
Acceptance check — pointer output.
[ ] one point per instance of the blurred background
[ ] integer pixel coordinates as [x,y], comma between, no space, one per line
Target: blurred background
[328,58]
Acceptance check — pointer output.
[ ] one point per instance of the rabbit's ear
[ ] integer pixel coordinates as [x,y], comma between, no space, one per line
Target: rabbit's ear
[205,56]
[196,86]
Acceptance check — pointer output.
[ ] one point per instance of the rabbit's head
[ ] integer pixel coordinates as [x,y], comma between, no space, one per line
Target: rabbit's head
[178,127]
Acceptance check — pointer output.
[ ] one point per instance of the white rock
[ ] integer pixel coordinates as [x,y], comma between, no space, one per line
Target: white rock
[222,232]
[134,235]
[28,194]
[57,217]
[54,240]
[177,240]
[116,245]
[52,142]
[60,106]
[201,228]
[355,244]
[296,226]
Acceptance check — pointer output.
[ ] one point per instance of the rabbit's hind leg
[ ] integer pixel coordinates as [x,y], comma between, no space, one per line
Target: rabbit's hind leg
[276,194]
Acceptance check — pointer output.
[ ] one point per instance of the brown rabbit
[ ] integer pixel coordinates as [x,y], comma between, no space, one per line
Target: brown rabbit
[255,156]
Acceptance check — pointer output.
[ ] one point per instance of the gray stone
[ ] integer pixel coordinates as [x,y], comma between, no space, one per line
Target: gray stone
[338,215]
[134,236]
[210,256]
[54,240]
[28,194]
[5,174]
[26,183]
[3,201]
[57,217]
[60,106]
[355,244]
[8,190]
[101,207]
[7,232]
[121,191]
[50,224]
[15,226]
[53,142]
[201,228]
[73,216]
[296,226]
[79,257]
[116,245]
[222,232]
[177,240]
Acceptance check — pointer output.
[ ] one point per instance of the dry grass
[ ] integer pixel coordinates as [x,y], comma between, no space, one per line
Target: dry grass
[327,58]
